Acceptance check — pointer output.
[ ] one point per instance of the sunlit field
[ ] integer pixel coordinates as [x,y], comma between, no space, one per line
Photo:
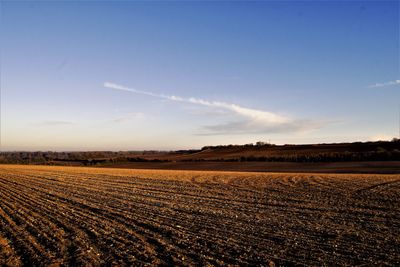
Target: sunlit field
[93,216]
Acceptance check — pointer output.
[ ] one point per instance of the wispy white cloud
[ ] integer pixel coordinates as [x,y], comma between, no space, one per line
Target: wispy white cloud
[255,127]
[129,117]
[53,123]
[249,120]
[395,82]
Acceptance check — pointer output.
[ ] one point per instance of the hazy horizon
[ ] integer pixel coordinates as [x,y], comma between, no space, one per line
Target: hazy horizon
[121,76]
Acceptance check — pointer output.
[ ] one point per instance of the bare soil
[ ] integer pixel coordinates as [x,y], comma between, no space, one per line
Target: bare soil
[68,216]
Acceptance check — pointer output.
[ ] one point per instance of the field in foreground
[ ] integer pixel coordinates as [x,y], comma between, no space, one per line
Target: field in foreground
[74,216]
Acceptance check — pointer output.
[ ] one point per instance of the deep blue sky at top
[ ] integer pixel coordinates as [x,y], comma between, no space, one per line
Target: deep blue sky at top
[308,61]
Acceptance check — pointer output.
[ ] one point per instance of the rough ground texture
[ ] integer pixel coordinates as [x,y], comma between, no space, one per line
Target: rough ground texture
[88,216]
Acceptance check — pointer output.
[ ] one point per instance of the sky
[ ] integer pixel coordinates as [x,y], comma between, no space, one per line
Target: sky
[165,75]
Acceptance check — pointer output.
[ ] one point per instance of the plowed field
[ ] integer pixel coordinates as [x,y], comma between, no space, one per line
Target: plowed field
[90,216]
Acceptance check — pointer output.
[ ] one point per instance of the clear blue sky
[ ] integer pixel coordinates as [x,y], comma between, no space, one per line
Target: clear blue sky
[172,75]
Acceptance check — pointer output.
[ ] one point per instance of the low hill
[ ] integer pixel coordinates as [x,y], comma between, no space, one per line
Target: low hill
[296,153]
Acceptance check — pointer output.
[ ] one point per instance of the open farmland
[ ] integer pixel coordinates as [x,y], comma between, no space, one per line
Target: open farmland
[74,216]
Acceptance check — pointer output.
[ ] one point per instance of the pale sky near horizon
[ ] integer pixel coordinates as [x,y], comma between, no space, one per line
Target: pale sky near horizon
[127,75]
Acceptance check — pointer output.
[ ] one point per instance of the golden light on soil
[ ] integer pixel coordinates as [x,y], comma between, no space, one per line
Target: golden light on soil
[93,216]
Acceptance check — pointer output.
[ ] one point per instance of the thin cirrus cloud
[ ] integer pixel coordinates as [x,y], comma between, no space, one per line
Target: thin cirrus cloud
[129,117]
[377,85]
[53,123]
[248,120]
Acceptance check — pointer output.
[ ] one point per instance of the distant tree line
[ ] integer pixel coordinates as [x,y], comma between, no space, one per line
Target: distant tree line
[368,151]
[257,144]
[393,144]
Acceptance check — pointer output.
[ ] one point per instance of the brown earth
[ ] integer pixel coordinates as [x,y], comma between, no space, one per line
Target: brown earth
[91,216]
